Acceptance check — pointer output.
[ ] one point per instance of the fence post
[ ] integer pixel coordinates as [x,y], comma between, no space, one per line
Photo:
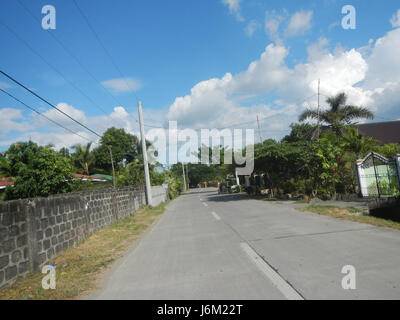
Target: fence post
[397,162]
[361,179]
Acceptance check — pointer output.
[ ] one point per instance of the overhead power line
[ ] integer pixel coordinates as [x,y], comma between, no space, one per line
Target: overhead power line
[69,52]
[50,104]
[52,67]
[42,115]
[85,18]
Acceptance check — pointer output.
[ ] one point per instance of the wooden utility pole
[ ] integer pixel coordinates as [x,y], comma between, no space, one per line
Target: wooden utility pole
[144,151]
[112,165]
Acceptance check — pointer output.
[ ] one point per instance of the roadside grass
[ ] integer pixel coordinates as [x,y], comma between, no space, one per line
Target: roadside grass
[350,215]
[78,270]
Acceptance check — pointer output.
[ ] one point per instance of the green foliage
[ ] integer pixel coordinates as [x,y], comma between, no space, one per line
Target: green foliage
[299,132]
[175,185]
[5,167]
[64,152]
[387,150]
[83,158]
[339,115]
[133,174]
[39,171]
[124,146]
[320,167]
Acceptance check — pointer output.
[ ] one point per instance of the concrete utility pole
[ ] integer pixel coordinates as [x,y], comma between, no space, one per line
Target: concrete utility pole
[187,175]
[184,177]
[259,130]
[144,151]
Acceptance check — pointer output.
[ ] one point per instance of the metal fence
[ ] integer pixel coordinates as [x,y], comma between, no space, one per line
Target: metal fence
[378,176]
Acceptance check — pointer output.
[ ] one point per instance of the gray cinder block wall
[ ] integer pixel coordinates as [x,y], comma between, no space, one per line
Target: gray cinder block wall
[159,194]
[34,231]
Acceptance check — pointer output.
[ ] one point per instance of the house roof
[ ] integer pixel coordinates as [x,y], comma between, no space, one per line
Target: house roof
[92,178]
[104,176]
[4,182]
[385,132]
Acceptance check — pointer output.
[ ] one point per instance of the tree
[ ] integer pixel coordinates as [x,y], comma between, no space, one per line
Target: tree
[133,175]
[64,152]
[83,157]
[39,171]
[338,115]
[299,132]
[357,143]
[5,167]
[124,146]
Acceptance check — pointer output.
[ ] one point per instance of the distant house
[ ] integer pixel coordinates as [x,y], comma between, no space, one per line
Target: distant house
[4,182]
[89,178]
[104,176]
[385,132]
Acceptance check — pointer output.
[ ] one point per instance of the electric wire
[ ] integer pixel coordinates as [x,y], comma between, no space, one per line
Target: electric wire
[47,102]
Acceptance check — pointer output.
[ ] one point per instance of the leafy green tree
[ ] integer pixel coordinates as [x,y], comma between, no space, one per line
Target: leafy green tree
[124,146]
[356,143]
[338,115]
[388,150]
[39,171]
[64,152]
[299,132]
[5,167]
[133,175]
[83,157]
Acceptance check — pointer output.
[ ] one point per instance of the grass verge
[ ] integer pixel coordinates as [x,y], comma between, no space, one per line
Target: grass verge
[349,214]
[78,270]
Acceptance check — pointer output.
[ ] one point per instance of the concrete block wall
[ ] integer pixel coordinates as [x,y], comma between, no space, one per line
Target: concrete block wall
[34,231]
[159,194]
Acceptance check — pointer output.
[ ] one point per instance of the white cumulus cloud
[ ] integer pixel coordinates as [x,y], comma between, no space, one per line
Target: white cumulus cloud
[234,7]
[299,23]
[251,28]
[395,21]
[272,89]
[122,85]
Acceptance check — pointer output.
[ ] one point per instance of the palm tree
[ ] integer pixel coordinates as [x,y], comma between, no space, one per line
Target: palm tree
[83,156]
[338,115]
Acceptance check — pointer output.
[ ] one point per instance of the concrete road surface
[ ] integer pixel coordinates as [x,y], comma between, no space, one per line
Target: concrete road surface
[210,246]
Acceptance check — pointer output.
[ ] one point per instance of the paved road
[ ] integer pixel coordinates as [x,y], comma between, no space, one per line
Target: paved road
[208,246]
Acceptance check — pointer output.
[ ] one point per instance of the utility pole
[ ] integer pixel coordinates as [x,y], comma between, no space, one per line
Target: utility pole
[318,127]
[187,175]
[144,151]
[184,177]
[112,164]
[259,130]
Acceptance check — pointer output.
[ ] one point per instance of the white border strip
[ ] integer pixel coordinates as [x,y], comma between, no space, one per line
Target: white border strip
[272,275]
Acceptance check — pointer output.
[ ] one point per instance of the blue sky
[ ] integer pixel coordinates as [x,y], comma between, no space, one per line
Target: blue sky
[190,61]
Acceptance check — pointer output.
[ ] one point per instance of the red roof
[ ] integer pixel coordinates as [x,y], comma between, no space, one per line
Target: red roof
[82,176]
[7,181]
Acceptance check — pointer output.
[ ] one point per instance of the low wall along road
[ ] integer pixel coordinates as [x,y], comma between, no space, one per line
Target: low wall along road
[34,231]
